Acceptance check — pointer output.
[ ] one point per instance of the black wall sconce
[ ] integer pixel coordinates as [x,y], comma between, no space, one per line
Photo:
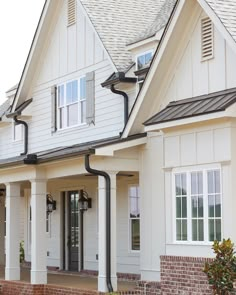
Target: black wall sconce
[85,202]
[51,204]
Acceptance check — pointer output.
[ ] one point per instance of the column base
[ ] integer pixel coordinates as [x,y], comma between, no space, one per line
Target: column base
[38,277]
[102,283]
[12,273]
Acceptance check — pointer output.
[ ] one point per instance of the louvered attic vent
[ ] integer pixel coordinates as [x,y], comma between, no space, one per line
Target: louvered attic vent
[71,12]
[207,38]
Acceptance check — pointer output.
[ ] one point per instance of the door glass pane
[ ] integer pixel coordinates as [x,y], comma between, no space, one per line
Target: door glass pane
[135,234]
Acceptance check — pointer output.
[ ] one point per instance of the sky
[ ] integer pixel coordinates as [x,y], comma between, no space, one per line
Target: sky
[18,22]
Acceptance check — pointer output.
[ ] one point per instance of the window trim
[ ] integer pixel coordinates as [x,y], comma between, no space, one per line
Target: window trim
[79,102]
[129,222]
[188,170]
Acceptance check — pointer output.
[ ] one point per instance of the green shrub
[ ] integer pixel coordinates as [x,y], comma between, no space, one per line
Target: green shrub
[221,272]
[22,252]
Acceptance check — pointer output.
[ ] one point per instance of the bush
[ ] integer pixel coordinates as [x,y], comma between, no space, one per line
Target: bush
[22,252]
[221,272]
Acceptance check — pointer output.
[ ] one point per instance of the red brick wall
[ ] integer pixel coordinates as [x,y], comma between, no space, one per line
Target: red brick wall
[184,275]
[149,288]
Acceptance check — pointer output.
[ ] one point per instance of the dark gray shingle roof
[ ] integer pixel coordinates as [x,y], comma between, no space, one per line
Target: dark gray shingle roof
[117,21]
[205,104]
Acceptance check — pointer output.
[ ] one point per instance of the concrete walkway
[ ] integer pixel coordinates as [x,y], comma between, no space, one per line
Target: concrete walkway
[71,280]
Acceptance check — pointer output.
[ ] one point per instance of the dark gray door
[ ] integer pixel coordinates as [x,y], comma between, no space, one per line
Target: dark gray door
[73,230]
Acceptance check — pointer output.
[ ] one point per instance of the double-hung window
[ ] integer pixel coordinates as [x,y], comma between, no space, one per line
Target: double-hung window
[198,206]
[71,103]
[134,217]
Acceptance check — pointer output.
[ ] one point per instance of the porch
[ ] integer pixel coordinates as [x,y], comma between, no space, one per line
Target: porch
[58,283]
[75,239]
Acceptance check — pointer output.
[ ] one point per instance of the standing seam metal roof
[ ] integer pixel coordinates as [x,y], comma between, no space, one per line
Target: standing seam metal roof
[202,105]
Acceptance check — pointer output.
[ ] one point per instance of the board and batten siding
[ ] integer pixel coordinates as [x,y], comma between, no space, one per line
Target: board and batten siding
[198,148]
[188,75]
[68,53]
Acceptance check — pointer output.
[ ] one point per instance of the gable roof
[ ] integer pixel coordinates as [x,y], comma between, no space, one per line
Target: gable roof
[222,14]
[190,107]
[158,24]
[117,20]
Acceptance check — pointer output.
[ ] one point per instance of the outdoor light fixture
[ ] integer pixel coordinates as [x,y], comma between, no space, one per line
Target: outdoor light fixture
[84,201]
[51,204]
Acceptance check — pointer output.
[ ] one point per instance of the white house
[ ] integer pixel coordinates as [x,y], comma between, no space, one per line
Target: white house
[149,139]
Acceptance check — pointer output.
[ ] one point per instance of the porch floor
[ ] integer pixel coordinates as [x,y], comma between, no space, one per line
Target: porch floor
[71,280]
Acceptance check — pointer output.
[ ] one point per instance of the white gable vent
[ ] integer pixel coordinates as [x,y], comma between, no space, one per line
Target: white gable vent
[207,38]
[71,12]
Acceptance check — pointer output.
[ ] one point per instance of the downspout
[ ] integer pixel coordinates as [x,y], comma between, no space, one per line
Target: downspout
[126,102]
[20,122]
[108,219]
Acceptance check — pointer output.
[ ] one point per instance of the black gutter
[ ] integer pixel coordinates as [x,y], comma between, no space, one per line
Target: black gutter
[20,122]
[126,102]
[118,77]
[108,218]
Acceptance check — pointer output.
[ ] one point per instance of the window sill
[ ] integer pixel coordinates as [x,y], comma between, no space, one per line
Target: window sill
[71,128]
[191,243]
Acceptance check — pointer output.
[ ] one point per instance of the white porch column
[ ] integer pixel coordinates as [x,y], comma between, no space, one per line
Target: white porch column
[102,284]
[38,246]
[12,269]
[2,230]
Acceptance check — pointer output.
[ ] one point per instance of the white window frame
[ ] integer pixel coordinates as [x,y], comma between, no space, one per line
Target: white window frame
[129,221]
[188,171]
[65,105]
[15,130]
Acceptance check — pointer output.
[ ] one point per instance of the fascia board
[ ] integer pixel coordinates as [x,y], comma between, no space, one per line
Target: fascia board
[110,149]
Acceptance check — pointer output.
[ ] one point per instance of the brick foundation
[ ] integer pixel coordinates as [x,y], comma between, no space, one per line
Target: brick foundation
[184,275]
[149,288]
[23,288]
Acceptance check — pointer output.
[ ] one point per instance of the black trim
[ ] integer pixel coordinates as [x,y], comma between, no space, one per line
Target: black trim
[108,218]
[118,77]
[126,102]
[20,122]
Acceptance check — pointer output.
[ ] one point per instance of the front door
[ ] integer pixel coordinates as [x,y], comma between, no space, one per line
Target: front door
[73,230]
